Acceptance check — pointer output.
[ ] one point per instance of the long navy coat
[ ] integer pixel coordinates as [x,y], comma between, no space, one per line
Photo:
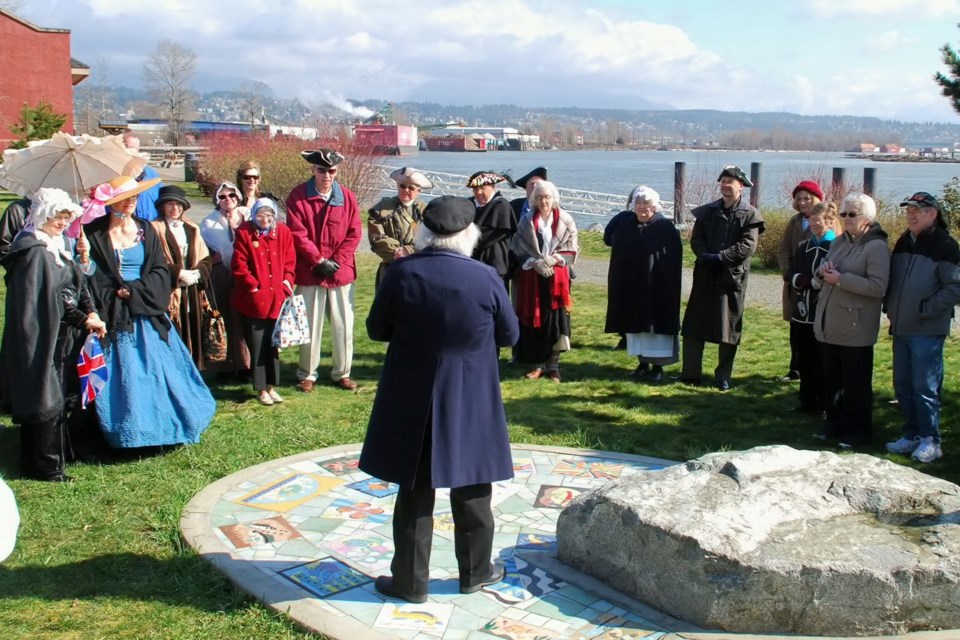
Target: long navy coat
[444,316]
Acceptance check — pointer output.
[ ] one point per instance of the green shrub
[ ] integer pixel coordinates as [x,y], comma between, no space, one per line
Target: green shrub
[775,224]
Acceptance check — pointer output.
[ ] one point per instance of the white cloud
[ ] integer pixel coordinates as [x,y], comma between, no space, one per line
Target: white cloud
[860,8]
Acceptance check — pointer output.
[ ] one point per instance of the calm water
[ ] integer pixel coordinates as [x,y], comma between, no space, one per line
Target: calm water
[619,171]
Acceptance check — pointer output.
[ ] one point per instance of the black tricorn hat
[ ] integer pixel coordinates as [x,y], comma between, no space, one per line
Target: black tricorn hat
[326,158]
[447,215]
[539,172]
[735,172]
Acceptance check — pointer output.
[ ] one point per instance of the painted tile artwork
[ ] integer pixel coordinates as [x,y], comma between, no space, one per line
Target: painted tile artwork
[320,528]
[325,577]
[289,492]
[259,532]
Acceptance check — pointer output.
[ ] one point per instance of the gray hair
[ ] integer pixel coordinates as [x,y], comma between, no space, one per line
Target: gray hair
[462,242]
[864,204]
[645,194]
[545,186]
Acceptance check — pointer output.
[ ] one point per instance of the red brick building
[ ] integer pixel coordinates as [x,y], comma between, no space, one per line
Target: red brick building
[35,65]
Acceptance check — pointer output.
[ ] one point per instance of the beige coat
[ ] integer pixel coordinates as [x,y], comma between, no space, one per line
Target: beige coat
[392,226]
[848,313]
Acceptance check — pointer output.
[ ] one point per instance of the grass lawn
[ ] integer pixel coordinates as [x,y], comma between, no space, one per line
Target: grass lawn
[102,557]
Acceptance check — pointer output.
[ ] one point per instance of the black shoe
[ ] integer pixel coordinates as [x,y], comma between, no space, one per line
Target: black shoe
[384,584]
[620,346]
[791,376]
[641,371]
[655,375]
[693,382]
[496,575]
[722,384]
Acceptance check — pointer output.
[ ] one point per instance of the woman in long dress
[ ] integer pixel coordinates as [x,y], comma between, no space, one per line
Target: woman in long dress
[643,287]
[545,247]
[189,262]
[48,311]
[155,395]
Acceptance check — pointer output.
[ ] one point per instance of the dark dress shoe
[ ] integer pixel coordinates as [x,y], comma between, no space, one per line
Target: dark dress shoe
[693,382]
[384,584]
[642,369]
[496,575]
[791,376]
[723,385]
[346,384]
[655,374]
[554,375]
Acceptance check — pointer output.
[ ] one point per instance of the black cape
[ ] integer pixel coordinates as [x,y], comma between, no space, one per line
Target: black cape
[497,225]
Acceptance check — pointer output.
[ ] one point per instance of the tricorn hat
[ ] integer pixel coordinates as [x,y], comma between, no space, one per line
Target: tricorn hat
[326,158]
[539,172]
[735,172]
[483,178]
[447,215]
[412,175]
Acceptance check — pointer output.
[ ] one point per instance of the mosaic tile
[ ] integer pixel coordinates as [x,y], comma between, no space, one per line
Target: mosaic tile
[443,521]
[369,552]
[555,497]
[515,630]
[356,511]
[516,504]
[341,465]
[259,532]
[556,607]
[289,492]
[298,549]
[608,627]
[535,542]
[583,468]
[522,581]
[374,487]
[429,616]
[523,466]
[325,577]
[305,466]
[318,525]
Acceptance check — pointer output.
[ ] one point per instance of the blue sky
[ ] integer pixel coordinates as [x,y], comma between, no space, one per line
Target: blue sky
[859,57]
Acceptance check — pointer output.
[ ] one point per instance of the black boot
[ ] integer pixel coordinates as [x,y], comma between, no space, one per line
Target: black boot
[655,375]
[641,371]
[43,450]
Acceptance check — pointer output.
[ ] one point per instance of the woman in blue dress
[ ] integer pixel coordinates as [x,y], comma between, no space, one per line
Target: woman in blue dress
[155,395]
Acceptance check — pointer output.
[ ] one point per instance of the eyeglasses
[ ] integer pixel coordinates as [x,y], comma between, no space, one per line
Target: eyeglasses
[224,196]
[409,187]
[251,177]
[849,214]
[322,170]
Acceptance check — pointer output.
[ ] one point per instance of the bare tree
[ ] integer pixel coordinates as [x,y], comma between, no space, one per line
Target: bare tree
[166,74]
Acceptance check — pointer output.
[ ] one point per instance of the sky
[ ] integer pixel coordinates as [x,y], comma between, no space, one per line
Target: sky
[812,57]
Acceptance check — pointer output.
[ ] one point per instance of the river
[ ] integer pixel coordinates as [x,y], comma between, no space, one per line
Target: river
[618,172]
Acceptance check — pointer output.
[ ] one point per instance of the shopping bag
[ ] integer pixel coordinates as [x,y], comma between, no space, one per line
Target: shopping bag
[292,327]
[213,331]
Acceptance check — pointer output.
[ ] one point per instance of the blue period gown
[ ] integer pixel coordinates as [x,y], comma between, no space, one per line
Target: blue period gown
[155,395]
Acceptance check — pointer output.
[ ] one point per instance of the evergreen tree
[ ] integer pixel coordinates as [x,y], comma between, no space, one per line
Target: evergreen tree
[950,84]
[36,123]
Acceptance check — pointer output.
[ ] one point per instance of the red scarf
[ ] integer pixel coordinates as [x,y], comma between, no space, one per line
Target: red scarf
[528,285]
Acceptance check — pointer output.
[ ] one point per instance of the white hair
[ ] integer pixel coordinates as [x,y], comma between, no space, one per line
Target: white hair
[462,242]
[545,186]
[864,204]
[46,203]
[646,194]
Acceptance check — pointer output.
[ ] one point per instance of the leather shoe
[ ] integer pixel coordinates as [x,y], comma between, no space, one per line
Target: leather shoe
[384,584]
[346,384]
[554,375]
[693,382]
[723,385]
[305,386]
[533,375]
[655,375]
[496,575]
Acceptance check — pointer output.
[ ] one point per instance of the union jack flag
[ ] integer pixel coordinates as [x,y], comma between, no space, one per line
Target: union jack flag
[92,369]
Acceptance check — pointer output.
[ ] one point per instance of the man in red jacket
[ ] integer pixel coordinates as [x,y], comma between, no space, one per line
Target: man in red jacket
[325,221]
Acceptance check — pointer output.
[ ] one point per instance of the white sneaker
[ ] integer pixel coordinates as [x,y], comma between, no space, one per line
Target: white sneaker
[904,445]
[928,450]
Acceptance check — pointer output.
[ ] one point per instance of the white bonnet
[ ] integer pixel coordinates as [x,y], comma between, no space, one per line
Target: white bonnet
[47,203]
[646,194]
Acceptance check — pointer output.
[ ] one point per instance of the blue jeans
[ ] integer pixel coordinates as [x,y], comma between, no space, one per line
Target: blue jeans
[917,378]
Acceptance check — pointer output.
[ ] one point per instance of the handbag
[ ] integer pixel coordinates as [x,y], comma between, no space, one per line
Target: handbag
[292,327]
[213,331]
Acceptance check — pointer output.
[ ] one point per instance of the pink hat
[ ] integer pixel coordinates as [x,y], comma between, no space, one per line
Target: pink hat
[810,187]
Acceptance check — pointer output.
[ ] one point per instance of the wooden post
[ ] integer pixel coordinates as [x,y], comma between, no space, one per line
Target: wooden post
[679,187]
[755,189]
[869,180]
[836,184]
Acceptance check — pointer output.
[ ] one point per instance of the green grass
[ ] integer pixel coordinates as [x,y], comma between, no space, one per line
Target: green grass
[102,557]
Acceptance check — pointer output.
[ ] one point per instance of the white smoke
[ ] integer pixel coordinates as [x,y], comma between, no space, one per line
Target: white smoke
[343,104]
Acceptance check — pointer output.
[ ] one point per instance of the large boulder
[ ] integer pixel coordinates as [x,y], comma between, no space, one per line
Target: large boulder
[777,540]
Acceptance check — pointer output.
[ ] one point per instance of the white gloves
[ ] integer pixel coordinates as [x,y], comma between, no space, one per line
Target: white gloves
[189,277]
[543,267]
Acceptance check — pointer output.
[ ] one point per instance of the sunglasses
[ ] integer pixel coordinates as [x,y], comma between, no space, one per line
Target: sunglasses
[232,196]
[849,214]
[322,170]
[251,177]
[409,187]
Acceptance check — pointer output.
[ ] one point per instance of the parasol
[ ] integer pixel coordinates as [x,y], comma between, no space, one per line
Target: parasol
[75,164]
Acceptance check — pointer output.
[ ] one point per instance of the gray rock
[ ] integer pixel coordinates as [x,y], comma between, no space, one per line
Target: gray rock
[776,540]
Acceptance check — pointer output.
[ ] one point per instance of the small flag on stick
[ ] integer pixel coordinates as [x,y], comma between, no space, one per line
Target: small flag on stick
[92,369]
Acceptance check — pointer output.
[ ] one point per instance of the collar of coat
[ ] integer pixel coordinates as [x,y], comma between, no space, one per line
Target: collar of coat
[336,193]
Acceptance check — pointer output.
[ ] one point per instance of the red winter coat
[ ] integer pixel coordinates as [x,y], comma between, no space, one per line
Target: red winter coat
[263,268]
[324,230]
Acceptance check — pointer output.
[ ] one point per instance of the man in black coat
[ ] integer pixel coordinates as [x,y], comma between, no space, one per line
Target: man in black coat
[724,238]
[495,219]
[438,417]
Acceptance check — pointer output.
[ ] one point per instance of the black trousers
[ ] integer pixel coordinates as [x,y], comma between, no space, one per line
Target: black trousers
[264,357]
[693,359]
[808,363]
[413,530]
[848,380]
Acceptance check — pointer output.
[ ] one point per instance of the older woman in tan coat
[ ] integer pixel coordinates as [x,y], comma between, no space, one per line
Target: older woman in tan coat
[853,279]
[545,247]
